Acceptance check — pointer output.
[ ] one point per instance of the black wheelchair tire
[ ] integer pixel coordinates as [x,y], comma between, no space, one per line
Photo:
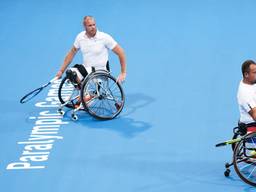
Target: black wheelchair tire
[60,94]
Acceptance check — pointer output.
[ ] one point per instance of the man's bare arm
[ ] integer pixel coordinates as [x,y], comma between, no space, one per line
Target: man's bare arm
[68,59]
[121,55]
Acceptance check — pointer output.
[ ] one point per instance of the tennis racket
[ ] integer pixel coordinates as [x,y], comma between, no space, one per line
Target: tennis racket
[35,92]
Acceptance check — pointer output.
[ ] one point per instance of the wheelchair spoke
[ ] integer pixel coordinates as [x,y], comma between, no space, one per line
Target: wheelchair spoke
[251,173]
[247,167]
[247,161]
[253,141]
[112,95]
[107,91]
[102,108]
[112,107]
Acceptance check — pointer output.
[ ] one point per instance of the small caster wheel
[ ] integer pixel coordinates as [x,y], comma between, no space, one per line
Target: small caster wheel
[227,165]
[227,172]
[74,117]
[61,112]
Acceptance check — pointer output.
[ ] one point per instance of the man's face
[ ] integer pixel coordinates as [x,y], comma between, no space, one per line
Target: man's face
[90,27]
[251,75]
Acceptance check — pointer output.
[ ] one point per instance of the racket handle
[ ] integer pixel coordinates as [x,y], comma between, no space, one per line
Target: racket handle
[54,79]
[221,144]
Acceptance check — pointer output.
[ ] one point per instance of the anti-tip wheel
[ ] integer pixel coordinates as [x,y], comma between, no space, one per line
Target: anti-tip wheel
[74,117]
[227,173]
[61,112]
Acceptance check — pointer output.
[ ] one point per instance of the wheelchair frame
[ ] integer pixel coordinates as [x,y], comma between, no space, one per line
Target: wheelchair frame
[103,88]
[244,154]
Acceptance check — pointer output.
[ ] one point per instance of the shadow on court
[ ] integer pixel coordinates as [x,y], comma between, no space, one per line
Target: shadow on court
[135,102]
[123,124]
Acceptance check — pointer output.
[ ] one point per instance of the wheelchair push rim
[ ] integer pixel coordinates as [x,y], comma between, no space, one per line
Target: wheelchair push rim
[103,97]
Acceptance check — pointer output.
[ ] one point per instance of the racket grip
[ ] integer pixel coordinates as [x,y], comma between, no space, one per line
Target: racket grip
[54,79]
[221,144]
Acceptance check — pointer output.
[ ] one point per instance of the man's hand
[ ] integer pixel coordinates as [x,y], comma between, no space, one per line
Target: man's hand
[121,55]
[121,77]
[59,74]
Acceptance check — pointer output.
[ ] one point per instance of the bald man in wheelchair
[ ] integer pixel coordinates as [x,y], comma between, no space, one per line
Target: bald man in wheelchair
[95,46]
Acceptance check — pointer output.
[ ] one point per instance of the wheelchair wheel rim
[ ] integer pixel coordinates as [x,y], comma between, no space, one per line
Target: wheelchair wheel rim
[107,96]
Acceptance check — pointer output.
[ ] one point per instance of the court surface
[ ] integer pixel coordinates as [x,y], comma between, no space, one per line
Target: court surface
[183,61]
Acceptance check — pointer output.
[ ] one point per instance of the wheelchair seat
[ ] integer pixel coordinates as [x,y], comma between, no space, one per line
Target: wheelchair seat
[244,128]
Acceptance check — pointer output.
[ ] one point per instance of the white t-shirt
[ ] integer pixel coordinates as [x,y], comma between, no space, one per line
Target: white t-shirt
[246,98]
[95,49]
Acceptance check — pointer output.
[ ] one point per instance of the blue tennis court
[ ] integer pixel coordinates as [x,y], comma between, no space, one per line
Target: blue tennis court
[183,69]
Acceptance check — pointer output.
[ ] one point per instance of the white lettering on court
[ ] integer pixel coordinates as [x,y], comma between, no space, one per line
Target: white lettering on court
[45,132]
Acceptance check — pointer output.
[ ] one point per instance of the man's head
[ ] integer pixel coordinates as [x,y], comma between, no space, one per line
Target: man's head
[90,26]
[249,72]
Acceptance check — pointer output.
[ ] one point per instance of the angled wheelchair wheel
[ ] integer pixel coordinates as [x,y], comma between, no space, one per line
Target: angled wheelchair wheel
[244,159]
[103,97]
[67,93]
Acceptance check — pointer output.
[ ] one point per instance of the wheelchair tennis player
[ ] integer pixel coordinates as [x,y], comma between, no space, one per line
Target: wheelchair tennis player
[93,74]
[244,138]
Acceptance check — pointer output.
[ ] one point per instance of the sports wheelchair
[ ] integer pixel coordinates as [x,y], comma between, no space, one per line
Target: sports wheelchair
[244,152]
[99,94]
